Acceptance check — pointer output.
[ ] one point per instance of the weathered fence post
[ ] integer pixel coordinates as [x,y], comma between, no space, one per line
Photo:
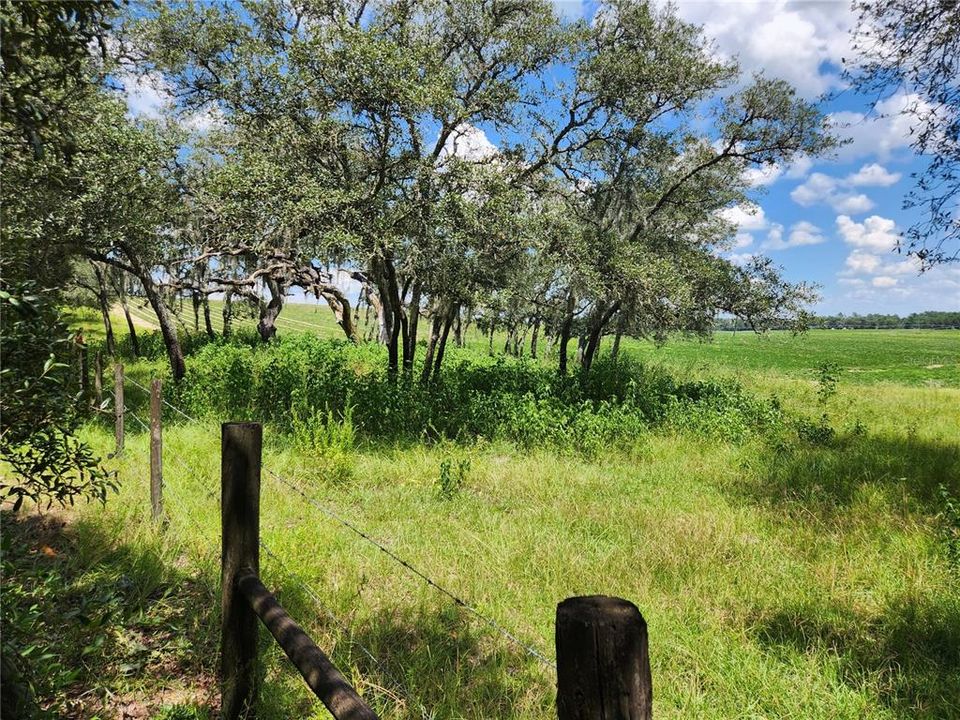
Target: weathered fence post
[240,446]
[156,452]
[118,404]
[603,665]
[98,378]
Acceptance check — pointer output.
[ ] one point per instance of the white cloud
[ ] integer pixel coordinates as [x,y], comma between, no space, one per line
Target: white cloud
[873,175]
[147,95]
[884,281]
[881,133]
[862,263]
[799,168]
[468,143]
[742,240]
[789,40]
[764,175]
[740,258]
[745,217]
[876,234]
[801,233]
[839,193]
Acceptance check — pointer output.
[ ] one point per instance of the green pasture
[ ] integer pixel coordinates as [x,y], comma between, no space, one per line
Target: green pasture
[780,578]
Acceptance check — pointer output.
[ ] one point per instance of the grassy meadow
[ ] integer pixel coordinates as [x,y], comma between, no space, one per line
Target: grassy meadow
[784,572]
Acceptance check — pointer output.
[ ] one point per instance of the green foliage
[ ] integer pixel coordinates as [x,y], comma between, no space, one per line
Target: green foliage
[329,393]
[182,712]
[828,377]
[453,476]
[42,406]
[951,524]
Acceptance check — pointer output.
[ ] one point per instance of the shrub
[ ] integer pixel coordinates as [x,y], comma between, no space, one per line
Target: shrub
[328,393]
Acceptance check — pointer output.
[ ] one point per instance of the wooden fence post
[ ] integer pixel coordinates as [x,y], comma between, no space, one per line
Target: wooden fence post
[240,445]
[156,452]
[98,378]
[118,404]
[603,665]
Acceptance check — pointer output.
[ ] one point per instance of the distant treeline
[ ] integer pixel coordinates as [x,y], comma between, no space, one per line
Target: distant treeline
[930,319]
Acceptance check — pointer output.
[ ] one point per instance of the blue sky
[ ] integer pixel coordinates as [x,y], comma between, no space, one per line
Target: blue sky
[833,221]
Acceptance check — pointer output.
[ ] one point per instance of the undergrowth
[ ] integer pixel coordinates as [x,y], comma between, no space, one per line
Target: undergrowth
[318,390]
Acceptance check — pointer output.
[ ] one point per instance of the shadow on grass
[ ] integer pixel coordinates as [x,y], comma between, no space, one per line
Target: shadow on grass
[908,655]
[429,662]
[103,627]
[827,479]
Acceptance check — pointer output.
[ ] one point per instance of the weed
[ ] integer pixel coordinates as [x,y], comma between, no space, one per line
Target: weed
[453,476]
[950,524]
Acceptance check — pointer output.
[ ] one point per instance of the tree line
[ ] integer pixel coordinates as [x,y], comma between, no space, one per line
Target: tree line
[929,319]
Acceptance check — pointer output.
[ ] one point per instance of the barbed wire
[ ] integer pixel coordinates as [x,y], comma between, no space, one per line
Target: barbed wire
[163,400]
[347,631]
[529,649]
[132,414]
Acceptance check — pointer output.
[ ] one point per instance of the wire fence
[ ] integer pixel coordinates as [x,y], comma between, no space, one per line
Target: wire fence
[401,692]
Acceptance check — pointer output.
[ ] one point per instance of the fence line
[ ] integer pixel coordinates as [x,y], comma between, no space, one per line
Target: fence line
[530,650]
[602,665]
[347,633]
[164,401]
[128,411]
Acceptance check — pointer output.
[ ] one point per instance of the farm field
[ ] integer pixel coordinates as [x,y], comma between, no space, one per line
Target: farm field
[779,579]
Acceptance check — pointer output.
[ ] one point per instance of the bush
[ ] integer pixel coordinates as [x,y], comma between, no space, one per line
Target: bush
[328,393]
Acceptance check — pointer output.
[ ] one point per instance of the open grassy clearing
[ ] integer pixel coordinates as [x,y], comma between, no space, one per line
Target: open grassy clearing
[804,581]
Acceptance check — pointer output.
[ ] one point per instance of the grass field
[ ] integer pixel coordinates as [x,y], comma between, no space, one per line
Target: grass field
[797,581]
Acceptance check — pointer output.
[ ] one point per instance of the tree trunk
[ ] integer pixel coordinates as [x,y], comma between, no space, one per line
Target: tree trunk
[195,302]
[615,350]
[227,311]
[385,277]
[458,331]
[168,327]
[206,317]
[413,313]
[443,340]
[103,301]
[435,330]
[467,321]
[267,327]
[490,343]
[521,342]
[116,279]
[601,319]
[565,333]
[340,305]
[534,337]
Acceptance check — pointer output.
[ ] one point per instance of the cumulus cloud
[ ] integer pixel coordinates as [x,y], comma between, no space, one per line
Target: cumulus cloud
[794,41]
[884,281]
[764,175]
[881,133]
[468,142]
[800,234]
[147,95]
[873,175]
[840,193]
[875,234]
[745,217]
